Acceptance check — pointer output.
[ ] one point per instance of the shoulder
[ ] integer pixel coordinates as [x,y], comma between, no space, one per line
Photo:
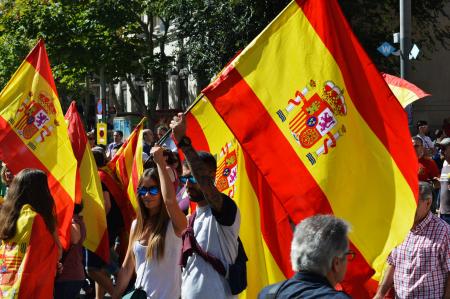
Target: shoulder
[441,226]
[228,213]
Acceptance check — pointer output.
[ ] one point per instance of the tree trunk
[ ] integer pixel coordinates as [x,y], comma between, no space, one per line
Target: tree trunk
[139,100]
[117,105]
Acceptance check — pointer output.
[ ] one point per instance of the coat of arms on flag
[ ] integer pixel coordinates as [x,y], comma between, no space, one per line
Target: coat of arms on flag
[227,169]
[33,118]
[313,118]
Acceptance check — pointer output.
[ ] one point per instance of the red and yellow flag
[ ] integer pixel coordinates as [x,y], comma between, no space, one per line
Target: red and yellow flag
[33,132]
[137,167]
[127,165]
[89,187]
[28,260]
[405,92]
[315,119]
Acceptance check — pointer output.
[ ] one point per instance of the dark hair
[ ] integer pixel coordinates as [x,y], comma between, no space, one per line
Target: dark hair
[157,224]
[421,123]
[77,208]
[162,127]
[208,159]
[119,132]
[99,156]
[29,186]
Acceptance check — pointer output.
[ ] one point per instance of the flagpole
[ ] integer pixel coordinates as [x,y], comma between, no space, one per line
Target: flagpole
[165,136]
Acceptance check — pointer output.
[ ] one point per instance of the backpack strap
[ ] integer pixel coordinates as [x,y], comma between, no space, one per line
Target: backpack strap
[190,245]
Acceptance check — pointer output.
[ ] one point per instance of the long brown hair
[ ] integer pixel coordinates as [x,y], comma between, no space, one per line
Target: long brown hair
[29,186]
[155,225]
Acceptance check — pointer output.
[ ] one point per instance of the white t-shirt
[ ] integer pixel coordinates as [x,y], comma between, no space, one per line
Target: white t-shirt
[161,279]
[199,279]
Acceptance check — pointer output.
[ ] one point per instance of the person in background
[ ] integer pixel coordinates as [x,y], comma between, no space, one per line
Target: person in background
[444,205]
[168,142]
[6,176]
[30,248]
[155,244]
[114,146]
[422,132]
[149,141]
[91,138]
[428,170]
[71,277]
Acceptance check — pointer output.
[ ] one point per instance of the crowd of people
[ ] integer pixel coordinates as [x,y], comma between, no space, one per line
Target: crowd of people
[167,254]
[160,239]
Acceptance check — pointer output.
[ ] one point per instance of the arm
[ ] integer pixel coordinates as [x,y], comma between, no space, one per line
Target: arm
[126,271]
[106,201]
[176,215]
[386,284]
[75,233]
[201,173]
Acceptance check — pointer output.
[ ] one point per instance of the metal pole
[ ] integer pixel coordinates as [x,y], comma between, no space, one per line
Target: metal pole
[103,92]
[405,47]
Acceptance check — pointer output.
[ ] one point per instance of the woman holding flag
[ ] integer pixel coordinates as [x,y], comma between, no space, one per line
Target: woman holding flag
[155,244]
[28,238]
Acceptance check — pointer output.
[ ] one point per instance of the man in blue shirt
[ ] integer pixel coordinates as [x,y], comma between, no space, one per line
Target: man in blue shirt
[113,147]
[319,255]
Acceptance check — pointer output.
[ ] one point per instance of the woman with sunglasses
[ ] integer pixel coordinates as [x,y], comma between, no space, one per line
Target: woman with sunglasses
[155,244]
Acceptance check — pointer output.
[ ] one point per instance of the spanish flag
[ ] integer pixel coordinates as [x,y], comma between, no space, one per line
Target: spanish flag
[33,132]
[405,92]
[315,119]
[28,260]
[89,187]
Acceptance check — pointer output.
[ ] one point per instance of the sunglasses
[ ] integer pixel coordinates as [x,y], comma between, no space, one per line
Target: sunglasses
[184,179]
[350,255]
[142,191]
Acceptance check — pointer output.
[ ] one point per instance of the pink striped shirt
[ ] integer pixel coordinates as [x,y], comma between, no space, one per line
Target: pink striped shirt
[422,261]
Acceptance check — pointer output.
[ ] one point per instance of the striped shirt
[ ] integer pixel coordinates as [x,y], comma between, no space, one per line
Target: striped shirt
[422,261]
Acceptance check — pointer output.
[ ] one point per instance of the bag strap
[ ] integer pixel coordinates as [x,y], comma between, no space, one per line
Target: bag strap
[211,259]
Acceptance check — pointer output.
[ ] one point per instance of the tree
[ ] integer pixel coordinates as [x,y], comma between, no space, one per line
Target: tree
[214,31]
[83,37]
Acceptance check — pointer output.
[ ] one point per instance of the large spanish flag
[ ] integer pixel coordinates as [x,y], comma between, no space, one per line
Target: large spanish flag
[89,187]
[33,132]
[28,260]
[318,122]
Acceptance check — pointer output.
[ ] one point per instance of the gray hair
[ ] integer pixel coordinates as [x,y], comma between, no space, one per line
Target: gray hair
[425,191]
[317,240]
